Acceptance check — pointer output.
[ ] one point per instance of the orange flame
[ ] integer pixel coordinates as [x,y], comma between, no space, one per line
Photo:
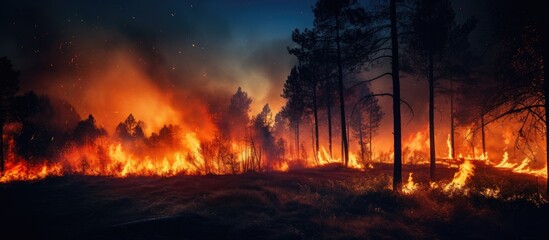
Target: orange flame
[449,144]
[410,186]
[466,171]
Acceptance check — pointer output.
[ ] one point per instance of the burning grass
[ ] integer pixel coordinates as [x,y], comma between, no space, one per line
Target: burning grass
[330,202]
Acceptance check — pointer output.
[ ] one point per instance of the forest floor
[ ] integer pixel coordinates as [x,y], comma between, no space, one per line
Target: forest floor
[330,202]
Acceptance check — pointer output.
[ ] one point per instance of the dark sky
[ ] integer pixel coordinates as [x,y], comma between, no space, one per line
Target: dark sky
[225,43]
[110,58]
[185,49]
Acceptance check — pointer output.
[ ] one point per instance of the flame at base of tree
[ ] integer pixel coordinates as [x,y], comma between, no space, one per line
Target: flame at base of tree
[410,186]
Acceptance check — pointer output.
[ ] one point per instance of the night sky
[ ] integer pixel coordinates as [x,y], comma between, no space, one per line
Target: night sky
[221,44]
[110,58]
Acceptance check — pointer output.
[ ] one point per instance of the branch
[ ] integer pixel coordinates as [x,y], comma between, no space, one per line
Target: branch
[509,112]
[382,95]
[369,80]
[380,57]
[379,49]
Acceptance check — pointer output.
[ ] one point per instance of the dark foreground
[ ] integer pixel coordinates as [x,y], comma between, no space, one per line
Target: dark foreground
[326,203]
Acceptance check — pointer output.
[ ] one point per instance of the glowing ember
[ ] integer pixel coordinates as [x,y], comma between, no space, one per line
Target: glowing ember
[491,192]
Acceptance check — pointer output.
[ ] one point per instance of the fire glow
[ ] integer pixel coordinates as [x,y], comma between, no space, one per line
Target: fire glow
[106,157]
[196,151]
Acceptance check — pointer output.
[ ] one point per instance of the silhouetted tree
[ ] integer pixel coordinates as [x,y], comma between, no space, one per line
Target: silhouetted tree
[262,127]
[87,131]
[295,105]
[9,85]
[236,119]
[397,134]
[366,116]
[165,138]
[46,125]
[433,48]
[344,26]
[130,129]
[310,59]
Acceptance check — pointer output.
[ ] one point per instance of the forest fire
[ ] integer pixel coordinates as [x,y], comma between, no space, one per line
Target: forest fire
[225,144]
[107,156]
[182,123]
[323,119]
[112,159]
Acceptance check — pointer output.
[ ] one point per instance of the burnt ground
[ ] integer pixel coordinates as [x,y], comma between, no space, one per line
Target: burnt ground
[325,203]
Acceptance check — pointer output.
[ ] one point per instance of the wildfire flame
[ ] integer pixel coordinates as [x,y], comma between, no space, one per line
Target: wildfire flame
[466,171]
[522,167]
[111,158]
[410,186]
[116,161]
[450,150]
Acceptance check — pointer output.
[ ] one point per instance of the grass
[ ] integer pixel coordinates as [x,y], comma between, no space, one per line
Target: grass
[325,203]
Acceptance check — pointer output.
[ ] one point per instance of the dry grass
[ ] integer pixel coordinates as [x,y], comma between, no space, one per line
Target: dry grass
[325,203]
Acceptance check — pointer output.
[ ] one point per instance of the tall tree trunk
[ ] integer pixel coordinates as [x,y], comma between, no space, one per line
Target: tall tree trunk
[370,139]
[329,108]
[452,130]
[360,140]
[1,146]
[545,55]
[431,118]
[344,143]
[397,167]
[297,138]
[543,21]
[483,136]
[315,114]
[315,151]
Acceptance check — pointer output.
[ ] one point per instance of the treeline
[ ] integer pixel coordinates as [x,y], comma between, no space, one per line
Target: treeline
[350,45]
[40,128]
[341,44]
